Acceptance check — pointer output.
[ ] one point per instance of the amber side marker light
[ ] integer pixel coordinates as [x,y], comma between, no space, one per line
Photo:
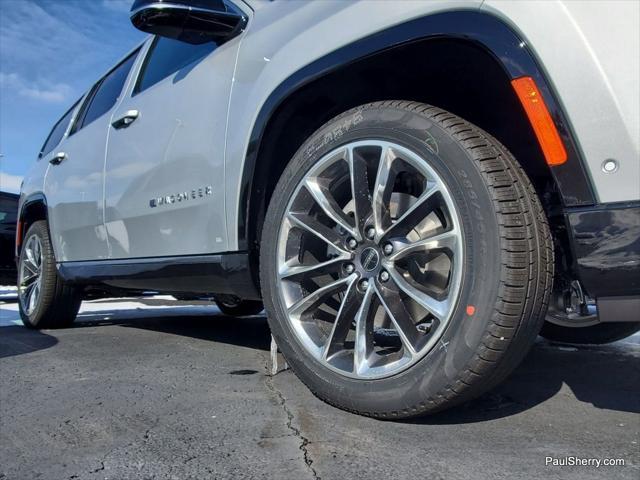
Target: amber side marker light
[18,234]
[541,121]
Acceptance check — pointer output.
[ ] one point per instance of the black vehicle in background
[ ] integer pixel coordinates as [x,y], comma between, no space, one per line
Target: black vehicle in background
[8,218]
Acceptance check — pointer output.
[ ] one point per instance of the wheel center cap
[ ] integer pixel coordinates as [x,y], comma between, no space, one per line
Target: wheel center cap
[369,258]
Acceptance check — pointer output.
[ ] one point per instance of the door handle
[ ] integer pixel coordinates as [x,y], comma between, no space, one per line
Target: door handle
[125,120]
[58,158]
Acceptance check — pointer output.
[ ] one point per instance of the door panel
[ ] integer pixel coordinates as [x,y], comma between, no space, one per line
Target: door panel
[74,186]
[164,173]
[74,196]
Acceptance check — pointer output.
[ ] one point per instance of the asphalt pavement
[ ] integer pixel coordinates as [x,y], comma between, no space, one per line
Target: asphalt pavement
[152,388]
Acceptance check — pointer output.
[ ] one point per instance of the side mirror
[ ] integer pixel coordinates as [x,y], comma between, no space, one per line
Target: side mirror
[191,21]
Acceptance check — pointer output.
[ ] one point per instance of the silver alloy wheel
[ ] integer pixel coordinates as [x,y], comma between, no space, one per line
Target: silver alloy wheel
[30,275]
[370,258]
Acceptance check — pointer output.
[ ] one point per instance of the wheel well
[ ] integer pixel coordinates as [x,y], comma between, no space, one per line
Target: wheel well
[453,74]
[32,211]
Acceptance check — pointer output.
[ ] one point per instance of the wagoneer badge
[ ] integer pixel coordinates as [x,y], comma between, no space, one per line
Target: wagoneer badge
[181,196]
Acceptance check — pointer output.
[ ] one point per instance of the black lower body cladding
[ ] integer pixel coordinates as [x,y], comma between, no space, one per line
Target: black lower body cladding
[506,273]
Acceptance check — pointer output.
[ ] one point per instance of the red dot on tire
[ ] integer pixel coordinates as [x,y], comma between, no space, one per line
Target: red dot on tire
[471,310]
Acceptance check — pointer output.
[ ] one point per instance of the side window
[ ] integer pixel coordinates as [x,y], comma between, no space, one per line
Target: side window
[106,93]
[57,132]
[167,56]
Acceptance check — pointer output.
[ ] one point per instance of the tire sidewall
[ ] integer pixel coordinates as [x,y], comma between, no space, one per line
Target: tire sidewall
[436,373]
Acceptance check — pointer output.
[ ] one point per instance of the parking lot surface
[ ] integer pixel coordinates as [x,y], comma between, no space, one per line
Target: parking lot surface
[153,388]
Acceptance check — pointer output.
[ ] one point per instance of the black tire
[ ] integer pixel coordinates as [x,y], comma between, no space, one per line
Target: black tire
[58,303]
[241,308]
[507,275]
[594,335]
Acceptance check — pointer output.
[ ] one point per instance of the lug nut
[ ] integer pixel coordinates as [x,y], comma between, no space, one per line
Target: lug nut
[370,232]
[349,268]
[384,276]
[364,284]
[388,249]
[351,243]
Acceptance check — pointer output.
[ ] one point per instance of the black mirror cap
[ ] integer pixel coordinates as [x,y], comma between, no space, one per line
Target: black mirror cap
[191,21]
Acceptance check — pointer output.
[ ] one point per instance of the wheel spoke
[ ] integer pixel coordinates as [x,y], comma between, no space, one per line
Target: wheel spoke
[359,188]
[329,206]
[33,296]
[26,293]
[438,308]
[441,241]
[415,214]
[363,345]
[30,257]
[310,271]
[25,289]
[29,268]
[342,324]
[37,253]
[382,191]
[313,226]
[389,295]
[315,298]
[28,280]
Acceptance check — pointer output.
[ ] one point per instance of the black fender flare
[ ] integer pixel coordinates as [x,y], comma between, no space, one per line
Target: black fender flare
[29,200]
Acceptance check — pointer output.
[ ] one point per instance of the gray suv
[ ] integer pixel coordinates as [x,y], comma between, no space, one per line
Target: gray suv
[412,190]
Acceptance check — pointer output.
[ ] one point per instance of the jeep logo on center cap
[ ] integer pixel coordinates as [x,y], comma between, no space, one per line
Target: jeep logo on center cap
[369,258]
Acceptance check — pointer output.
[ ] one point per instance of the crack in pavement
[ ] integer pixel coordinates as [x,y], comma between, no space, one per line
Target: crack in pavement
[101,467]
[304,441]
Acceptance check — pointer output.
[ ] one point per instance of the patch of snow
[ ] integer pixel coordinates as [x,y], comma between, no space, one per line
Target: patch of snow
[108,309]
